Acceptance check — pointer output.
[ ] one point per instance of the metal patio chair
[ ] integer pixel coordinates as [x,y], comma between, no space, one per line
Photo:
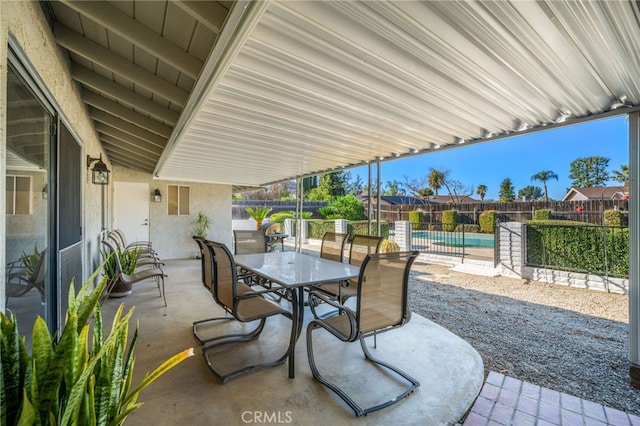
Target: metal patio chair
[153,272]
[382,306]
[20,281]
[243,304]
[361,246]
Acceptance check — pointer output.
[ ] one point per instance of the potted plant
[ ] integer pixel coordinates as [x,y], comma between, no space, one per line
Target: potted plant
[202,224]
[128,261]
[258,214]
[81,376]
[389,246]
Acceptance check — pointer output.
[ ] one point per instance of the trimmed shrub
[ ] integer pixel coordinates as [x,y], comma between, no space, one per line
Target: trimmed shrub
[612,218]
[281,216]
[317,228]
[449,220]
[468,227]
[578,246]
[416,217]
[542,214]
[488,221]
[361,227]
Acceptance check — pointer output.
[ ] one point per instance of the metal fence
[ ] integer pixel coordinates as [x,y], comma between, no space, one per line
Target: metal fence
[598,250]
[431,238]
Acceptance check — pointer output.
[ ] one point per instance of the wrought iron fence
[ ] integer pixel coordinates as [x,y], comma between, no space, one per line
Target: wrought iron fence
[431,238]
[599,250]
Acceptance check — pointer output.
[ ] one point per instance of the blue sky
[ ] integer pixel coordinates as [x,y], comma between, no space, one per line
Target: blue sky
[518,158]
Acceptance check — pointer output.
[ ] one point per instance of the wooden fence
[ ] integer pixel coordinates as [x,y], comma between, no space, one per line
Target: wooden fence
[583,211]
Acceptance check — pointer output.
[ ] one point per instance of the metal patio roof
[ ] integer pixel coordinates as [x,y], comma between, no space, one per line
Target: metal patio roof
[249,93]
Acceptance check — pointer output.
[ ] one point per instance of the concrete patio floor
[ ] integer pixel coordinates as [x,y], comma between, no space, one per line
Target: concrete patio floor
[450,370]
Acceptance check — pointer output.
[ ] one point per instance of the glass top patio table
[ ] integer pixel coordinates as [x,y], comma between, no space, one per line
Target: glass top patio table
[295,271]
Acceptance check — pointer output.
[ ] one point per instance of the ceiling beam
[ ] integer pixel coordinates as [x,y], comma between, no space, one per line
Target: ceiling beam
[118,110]
[133,152]
[103,84]
[133,31]
[125,161]
[211,14]
[127,138]
[94,52]
[113,121]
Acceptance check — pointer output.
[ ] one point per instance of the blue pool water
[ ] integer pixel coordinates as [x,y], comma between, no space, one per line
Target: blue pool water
[455,240]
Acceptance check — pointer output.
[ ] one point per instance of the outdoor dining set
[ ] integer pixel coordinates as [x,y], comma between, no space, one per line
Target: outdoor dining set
[352,299]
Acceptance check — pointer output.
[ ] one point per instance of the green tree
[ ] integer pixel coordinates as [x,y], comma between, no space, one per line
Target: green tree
[543,177]
[621,175]
[349,208]
[335,184]
[436,179]
[425,193]
[507,192]
[589,172]
[531,192]
[481,190]
[393,188]
[355,186]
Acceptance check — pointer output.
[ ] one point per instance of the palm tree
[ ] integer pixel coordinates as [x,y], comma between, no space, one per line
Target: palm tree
[543,177]
[436,180]
[481,190]
[622,175]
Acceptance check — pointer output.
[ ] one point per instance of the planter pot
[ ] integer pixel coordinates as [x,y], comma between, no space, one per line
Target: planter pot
[121,289]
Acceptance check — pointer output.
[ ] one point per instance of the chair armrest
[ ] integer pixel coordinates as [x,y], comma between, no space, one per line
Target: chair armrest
[341,308]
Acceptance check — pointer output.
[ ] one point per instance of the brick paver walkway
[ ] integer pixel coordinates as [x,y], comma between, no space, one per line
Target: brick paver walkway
[504,400]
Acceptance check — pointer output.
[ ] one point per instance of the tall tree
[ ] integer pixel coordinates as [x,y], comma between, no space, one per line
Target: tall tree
[530,192]
[393,188]
[507,192]
[621,175]
[543,177]
[355,186]
[589,171]
[437,179]
[481,190]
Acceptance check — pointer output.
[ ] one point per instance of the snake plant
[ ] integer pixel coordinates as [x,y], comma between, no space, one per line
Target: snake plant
[82,377]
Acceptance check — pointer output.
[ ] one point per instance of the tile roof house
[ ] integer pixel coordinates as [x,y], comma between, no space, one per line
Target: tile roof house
[597,193]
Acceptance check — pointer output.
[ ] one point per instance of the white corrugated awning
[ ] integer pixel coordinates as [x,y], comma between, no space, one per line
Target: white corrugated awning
[300,87]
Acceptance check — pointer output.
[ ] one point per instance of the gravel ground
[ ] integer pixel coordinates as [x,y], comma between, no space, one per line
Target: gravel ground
[570,340]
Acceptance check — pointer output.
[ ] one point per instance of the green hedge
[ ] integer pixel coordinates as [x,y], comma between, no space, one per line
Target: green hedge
[577,246]
[542,214]
[317,228]
[467,227]
[449,220]
[612,218]
[416,217]
[488,221]
[361,227]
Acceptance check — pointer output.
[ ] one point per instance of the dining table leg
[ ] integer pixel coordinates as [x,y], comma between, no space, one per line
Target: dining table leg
[297,303]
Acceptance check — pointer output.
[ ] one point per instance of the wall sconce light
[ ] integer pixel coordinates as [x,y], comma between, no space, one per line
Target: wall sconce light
[157,196]
[99,173]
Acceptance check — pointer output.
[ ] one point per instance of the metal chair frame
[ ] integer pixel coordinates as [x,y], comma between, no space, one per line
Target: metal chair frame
[350,326]
[231,295]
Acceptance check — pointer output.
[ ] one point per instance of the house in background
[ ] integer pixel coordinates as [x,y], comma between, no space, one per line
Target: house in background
[597,193]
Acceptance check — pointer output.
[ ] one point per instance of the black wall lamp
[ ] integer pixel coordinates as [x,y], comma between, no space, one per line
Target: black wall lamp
[157,196]
[99,173]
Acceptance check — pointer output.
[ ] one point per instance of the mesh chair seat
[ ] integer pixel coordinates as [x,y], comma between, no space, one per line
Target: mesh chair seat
[382,306]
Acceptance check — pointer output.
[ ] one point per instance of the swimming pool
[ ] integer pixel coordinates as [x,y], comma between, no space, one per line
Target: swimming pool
[453,239]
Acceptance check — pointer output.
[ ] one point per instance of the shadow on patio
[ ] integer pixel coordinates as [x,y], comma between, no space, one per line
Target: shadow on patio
[450,371]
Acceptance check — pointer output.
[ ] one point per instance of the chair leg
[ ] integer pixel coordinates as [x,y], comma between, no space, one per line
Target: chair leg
[224,378]
[239,337]
[359,411]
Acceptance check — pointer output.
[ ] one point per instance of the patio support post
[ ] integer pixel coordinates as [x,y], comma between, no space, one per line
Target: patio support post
[378,199]
[634,250]
[369,205]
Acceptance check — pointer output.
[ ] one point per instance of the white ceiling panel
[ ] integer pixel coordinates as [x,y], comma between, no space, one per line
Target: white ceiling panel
[321,85]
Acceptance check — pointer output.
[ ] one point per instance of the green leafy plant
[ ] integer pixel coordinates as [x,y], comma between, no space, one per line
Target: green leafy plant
[329,212]
[389,246]
[84,377]
[449,220]
[128,260]
[30,260]
[467,227]
[612,218]
[487,221]
[258,214]
[202,225]
[542,214]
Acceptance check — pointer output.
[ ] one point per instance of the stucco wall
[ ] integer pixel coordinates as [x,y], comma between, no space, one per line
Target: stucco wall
[171,235]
